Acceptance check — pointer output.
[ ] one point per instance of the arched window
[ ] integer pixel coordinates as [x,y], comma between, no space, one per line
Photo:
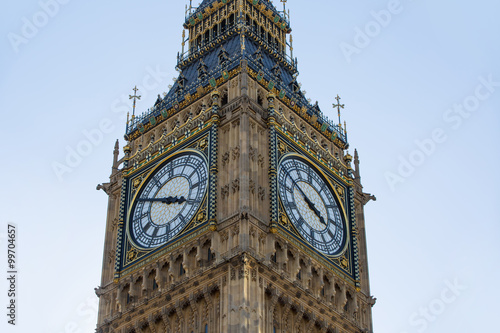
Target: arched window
[209,255]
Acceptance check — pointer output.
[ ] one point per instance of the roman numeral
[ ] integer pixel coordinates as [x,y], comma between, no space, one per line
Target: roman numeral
[140,217]
[156,181]
[323,237]
[330,234]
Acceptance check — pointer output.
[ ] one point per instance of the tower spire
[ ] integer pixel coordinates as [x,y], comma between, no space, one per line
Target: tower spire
[116,151]
[356,165]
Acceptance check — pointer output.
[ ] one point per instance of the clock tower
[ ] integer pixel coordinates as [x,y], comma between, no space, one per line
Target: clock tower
[236,206]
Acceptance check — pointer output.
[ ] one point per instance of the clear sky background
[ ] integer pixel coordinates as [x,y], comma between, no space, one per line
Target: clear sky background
[421,90]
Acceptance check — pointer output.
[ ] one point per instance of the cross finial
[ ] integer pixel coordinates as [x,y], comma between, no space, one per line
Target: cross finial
[284,4]
[135,97]
[338,106]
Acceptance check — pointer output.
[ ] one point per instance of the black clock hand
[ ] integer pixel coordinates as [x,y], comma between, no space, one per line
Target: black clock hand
[311,205]
[168,201]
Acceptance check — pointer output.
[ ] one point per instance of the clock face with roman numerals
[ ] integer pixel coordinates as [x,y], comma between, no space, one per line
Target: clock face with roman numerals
[311,205]
[168,200]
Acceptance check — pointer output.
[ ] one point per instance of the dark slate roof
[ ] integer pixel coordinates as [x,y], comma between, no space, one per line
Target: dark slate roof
[214,69]
[211,60]
[272,67]
[189,75]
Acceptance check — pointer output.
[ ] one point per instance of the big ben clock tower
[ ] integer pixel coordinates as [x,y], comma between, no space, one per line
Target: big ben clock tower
[236,207]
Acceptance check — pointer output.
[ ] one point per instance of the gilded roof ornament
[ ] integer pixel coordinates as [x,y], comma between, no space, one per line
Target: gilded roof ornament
[338,106]
[135,97]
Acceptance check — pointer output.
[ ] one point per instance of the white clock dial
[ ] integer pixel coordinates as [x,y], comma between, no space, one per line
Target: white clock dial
[168,200]
[311,205]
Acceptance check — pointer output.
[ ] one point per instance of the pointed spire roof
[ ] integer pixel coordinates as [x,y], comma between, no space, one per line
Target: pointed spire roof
[216,50]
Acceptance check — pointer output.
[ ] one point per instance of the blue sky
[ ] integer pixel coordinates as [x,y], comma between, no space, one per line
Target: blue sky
[422,95]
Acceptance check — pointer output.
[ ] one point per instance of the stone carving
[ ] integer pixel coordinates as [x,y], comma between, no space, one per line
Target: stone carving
[252,186]
[262,238]
[235,230]
[285,316]
[114,224]
[236,152]
[224,192]
[224,235]
[261,161]
[111,256]
[236,185]
[262,193]
[225,158]
[252,231]
[253,152]
[151,324]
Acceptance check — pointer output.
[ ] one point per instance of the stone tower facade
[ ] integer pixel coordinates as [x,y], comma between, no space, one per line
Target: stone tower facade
[236,207]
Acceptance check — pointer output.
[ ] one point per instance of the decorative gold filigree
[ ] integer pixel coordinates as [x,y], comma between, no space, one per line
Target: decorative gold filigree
[201,217]
[282,147]
[344,262]
[132,254]
[137,182]
[340,191]
[283,220]
[203,144]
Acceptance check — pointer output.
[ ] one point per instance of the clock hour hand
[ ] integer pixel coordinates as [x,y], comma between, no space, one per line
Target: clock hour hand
[312,207]
[309,203]
[168,201]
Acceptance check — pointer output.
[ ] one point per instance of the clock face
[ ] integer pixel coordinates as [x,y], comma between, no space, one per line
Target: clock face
[311,205]
[168,200]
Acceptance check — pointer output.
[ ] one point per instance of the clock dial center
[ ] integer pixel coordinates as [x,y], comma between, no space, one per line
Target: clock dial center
[310,206]
[161,213]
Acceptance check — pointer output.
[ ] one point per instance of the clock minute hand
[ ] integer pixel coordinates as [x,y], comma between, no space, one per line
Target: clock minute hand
[311,205]
[168,201]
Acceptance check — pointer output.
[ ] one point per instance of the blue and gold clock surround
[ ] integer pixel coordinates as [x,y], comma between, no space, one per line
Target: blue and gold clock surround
[168,199]
[312,205]
[183,200]
[315,207]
